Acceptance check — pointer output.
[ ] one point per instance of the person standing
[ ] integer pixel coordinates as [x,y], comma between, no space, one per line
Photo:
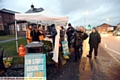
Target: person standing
[35,34]
[78,37]
[41,37]
[94,41]
[62,34]
[62,37]
[85,36]
[69,33]
[28,31]
[53,34]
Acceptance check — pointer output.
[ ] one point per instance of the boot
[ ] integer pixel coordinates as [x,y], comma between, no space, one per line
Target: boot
[89,56]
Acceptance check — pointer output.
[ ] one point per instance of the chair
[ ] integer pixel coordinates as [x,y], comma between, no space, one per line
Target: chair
[2,67]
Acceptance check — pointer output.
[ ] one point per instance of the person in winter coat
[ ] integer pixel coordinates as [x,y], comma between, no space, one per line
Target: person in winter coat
[53,34]
[82,30]
[94,41]
[62,34]
[69,33]
[35,34]
[78,38]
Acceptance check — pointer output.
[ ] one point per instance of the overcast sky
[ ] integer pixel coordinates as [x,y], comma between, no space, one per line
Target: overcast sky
[98,11]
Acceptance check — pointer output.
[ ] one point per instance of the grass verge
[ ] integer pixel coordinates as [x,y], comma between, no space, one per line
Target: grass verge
[6,37]
[10,50]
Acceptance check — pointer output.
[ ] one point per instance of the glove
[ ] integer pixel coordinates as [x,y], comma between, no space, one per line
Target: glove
[27,38]
[49,36]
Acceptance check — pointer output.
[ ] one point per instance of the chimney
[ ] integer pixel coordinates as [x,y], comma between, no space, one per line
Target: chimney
[32,6]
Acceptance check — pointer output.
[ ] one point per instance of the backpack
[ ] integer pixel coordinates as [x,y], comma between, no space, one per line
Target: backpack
[79,37]
[76,39]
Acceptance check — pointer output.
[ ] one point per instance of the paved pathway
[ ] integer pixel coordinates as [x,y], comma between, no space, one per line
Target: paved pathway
[69,71]
[105,67]
[10,40]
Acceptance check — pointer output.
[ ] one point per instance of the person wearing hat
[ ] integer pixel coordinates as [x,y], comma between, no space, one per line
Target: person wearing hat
[94,41]
[53,34]
[69,33]
[77,42]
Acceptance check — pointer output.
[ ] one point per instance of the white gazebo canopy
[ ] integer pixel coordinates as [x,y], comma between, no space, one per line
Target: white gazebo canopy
[45,17]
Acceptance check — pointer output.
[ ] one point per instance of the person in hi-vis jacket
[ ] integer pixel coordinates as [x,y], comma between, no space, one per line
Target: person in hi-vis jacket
[28,31]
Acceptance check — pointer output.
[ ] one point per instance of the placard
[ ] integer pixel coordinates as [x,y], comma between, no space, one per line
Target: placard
[65,49]
[35,66]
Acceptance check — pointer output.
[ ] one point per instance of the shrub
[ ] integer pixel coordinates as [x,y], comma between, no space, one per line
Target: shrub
[2,32]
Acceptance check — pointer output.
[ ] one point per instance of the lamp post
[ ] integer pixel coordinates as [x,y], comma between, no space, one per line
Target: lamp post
[107,25]
[86,13]
[107,19]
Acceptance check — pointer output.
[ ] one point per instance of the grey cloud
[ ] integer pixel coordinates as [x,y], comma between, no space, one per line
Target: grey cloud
[98,10]
[69,6]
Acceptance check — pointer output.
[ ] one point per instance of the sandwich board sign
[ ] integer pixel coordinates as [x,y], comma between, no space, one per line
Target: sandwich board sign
[65,49]
[35,66]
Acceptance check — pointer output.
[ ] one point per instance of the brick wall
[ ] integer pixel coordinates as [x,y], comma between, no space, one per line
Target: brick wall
[1,22]
[103,28]
[5,19]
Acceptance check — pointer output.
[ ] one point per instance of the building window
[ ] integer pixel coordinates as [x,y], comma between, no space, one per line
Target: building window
[24,27]
[0,18]
[0,27]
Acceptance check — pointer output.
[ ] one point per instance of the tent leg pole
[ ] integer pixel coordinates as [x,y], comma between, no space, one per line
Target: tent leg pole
[16,36]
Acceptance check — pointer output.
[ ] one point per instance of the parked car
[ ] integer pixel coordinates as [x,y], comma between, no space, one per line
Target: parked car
[116,33]
[104,32]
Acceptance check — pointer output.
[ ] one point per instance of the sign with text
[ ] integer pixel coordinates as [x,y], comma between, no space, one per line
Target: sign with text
[89,27]
[65,48]
[35,66]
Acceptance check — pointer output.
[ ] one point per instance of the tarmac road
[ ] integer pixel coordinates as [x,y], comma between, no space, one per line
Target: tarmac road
[112,45]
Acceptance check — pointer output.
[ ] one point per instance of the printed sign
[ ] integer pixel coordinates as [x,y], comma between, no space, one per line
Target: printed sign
[65,48]
[35,66]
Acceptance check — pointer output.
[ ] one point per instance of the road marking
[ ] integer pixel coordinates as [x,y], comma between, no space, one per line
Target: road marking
[112,51]
[114,57]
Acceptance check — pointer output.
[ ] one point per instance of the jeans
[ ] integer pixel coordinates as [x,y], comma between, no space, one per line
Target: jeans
[78,51]
[95,50]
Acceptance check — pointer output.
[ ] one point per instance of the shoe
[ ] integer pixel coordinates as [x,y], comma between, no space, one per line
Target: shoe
[88,56]
[75,60]
[95,57]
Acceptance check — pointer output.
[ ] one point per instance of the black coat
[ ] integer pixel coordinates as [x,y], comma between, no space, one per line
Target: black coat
[62,34]
[78,37]
[35,35]
[53,34]
[69,33]
[94,39]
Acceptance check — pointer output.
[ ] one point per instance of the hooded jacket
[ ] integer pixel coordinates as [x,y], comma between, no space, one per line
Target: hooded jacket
[78,38]
[94,39]
[69,33]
